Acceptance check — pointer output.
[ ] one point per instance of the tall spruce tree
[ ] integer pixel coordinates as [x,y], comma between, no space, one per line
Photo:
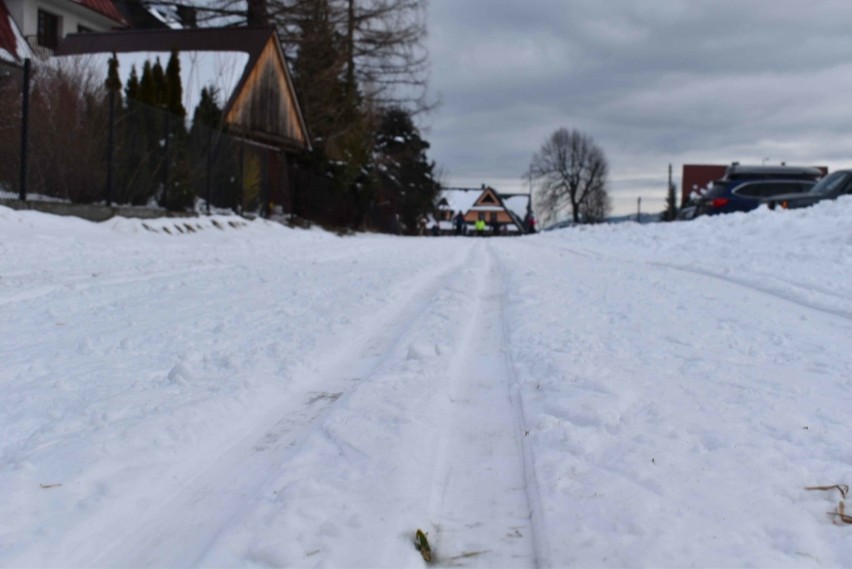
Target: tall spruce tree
[221,172]
[341,132]
[318,72]
[406,177]
[131,89]
[147,94]
[173,87]
[113,80]
[158,77]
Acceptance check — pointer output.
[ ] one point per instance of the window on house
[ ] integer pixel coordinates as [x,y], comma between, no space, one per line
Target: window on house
[48,29]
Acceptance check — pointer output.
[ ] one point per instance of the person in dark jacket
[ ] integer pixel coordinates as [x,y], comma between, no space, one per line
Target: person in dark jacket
[458,221]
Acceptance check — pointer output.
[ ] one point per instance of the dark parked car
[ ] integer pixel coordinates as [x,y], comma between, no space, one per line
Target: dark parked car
[836,184]
[744,188]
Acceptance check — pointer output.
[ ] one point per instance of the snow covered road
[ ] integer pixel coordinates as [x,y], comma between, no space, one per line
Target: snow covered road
[251,395]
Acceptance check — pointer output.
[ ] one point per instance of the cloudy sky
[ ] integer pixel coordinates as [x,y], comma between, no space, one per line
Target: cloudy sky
[654,82]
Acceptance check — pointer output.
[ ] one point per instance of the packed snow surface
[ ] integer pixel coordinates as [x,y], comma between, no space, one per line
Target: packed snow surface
[216,392]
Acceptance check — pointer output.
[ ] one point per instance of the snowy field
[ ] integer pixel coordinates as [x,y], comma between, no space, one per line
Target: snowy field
[241,394]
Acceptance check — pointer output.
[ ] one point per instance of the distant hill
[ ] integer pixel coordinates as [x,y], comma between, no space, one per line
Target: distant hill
[643,218]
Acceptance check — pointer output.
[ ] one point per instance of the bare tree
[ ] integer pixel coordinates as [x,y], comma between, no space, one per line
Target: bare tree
[596,207]
[570,172]
[384,52]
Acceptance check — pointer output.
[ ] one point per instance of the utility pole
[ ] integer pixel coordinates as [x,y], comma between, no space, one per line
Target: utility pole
[639,209]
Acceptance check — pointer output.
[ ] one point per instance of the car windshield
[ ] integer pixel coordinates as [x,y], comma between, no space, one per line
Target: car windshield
[829,183]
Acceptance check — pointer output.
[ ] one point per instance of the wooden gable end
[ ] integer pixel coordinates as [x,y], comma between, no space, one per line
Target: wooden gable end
[489,216]
[490,208]
[266,103]
[488,198]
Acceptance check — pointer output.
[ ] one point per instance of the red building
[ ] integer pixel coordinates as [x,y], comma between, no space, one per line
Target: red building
[697,177]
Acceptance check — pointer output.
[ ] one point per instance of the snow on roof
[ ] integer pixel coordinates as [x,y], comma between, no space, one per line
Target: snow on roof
[460,199]
[464,198]
[13,46]
[517,204]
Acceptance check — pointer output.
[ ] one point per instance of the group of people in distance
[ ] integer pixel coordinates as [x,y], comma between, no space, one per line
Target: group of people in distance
[480,227]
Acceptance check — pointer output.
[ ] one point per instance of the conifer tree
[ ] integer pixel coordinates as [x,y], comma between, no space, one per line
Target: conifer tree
[207,136]
[113,80]
[158,76]
[208,113]
[318,72]
[406,177]
[174,88]
[131,89]
[147,88]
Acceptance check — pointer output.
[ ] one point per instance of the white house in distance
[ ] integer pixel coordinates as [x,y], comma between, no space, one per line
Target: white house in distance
[44,23]
[13,47]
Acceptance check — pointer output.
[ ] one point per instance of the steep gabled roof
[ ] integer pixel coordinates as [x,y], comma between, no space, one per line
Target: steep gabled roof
[13,47]
[488,199]
[473,201]
[459,199]
[212,49]
[104,8]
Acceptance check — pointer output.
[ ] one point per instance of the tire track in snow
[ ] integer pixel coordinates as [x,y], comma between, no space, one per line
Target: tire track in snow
[796,295]
[194,513]
[481,498]
[768,290]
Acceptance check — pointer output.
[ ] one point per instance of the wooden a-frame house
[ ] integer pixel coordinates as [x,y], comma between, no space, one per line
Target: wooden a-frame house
[486,204]
[247,68]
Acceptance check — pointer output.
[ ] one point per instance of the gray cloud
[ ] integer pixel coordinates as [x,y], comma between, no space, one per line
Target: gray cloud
[653,82]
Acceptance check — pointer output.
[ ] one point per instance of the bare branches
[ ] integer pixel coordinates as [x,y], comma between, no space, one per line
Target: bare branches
[383,47]
[570,171]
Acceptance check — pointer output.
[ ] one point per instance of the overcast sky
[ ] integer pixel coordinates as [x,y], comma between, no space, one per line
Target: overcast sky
[653,82]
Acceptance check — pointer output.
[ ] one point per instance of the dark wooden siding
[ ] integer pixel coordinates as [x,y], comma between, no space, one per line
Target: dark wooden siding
[265,105]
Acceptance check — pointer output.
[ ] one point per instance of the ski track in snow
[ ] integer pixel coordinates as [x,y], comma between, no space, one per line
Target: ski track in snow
[480,496]
[439,374]
[265,397]
[230,486]
[645,417]
[462,436]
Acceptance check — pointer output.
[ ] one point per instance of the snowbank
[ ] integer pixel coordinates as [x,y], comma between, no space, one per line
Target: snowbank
[246,394]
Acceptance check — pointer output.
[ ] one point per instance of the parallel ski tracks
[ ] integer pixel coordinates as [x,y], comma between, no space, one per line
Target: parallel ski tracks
[229,486]
[484,497]
[483,506]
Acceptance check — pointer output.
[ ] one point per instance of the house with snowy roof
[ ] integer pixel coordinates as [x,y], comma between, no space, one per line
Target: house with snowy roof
[35,27]
[13,47]
[245,66]
[506,211]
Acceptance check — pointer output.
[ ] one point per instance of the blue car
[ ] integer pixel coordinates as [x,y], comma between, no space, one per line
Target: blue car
[744,188]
